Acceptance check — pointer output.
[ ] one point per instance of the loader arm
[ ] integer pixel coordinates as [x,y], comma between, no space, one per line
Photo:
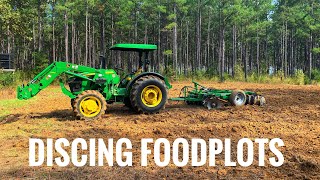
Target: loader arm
[48,75]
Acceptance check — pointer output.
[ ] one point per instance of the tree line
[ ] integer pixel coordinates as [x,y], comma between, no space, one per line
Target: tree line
[211,36]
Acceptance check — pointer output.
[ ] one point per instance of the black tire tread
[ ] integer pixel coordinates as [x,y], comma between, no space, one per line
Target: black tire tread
[134,93]
[77,100]
[127,103]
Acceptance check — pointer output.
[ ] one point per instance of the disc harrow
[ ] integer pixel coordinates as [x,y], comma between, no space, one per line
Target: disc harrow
[216,98]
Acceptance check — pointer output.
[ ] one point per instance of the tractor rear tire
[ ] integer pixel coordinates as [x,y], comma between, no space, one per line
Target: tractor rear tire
[148,95]
[89,105]
[237,98]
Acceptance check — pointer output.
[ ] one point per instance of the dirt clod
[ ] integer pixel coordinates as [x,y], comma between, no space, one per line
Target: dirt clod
[309,166]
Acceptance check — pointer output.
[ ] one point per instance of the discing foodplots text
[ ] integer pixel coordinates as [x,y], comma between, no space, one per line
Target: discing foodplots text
[181,152]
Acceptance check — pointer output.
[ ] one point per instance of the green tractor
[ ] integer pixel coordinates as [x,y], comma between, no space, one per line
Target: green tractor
[91,89]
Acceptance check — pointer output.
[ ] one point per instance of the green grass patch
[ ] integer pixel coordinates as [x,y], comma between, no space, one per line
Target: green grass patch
[4,113]
[8,105]
[13,103]
[25,130]
[54,90]
[13,133]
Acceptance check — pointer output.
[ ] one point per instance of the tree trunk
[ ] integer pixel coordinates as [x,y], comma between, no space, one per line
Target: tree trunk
[187,49]
[175,46]
[53,32]
[112,39]
[222,52]
[198,36]
[258,55]
[102,38]
[89,44]
[136,27]
[79,49]
[34,37]
[207,57]
[145,34]
[159,39]
[102,35]
[8,41]
[39,26]
[86,48]
[266,51]
[234,49]
[73,34]
[181,50]
[246,61]
[310,55]
[66,31]
[285,50]
[93,53]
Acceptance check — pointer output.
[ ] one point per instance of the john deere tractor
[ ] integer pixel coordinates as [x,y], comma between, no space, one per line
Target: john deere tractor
[91,89]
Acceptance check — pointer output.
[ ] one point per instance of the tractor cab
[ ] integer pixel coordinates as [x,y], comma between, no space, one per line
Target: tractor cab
[142,49]
[145,91]
[144,62]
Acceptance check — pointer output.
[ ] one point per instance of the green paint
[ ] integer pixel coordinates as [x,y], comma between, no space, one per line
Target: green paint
[198,93]
[134,47]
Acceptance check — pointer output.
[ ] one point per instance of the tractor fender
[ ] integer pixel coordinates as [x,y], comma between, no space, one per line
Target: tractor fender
[129,85]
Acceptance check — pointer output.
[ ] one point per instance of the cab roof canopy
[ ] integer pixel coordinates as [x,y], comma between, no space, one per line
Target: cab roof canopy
[134,47]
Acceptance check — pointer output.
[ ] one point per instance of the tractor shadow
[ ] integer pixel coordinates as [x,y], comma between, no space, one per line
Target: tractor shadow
[67,114]
[60,115]
[118,110]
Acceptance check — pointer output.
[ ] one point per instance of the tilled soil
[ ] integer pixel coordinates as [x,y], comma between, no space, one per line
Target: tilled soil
[291,113]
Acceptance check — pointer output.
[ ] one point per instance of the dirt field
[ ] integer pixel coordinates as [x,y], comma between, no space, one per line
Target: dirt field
[292,114]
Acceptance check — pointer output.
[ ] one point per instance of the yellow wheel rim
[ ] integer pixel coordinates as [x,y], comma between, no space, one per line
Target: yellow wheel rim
[151,96]
[90,106]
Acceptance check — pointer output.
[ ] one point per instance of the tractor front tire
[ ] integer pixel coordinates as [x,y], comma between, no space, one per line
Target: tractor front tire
[89,105]
[148,95]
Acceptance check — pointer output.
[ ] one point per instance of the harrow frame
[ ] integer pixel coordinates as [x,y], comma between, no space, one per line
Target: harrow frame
[214,98]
